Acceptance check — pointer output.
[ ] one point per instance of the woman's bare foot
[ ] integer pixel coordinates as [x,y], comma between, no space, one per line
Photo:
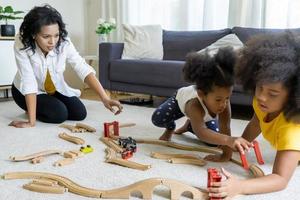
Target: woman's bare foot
[166,135]
[182,129]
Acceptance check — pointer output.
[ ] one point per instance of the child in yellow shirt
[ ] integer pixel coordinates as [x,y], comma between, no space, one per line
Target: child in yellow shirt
[269,66]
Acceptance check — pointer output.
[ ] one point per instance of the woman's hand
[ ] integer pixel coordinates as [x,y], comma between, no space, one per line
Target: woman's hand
[239,144]
[222,157]
[21,124]
[109,104]
[226,189]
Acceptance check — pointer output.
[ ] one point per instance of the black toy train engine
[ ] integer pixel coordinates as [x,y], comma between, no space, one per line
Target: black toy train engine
[127,143]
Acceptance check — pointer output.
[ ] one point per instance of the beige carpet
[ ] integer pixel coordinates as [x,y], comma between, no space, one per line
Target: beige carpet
[91,171]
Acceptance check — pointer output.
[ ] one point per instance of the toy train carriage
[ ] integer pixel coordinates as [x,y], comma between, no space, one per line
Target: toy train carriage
[127,143]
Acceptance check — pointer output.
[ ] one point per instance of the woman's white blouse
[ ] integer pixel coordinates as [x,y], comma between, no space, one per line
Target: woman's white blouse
[32,68]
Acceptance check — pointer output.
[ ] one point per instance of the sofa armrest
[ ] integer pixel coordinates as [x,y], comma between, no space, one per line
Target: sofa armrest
[107,53]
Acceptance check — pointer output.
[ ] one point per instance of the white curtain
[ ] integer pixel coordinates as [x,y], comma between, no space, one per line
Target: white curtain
[282,14]
[247,13]
[202,14]
[179,14]
[114,9]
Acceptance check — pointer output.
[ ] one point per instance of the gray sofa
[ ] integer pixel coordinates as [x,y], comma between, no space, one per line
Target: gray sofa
[164,77]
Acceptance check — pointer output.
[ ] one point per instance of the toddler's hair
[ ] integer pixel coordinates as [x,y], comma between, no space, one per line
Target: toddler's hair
[272,59]
[207,71]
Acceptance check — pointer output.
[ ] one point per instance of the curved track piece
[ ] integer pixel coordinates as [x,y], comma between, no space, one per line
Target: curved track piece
[111,157]
[35,155]
[72,128]
[73,139]
[146,186]
[111,143]
[86,127]
[45,188]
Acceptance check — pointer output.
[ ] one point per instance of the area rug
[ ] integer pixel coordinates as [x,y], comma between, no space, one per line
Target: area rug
[92,172]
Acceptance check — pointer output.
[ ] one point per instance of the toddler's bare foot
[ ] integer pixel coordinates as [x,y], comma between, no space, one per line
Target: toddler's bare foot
[166,135]
[183,129]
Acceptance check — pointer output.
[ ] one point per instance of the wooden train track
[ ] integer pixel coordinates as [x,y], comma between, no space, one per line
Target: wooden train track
[55,189]
[145,187]
[86,127]
[111,157]
[73,139]
[111,143]
[180,158]
[167,156]
[35,155]
[253,169]
[72,128]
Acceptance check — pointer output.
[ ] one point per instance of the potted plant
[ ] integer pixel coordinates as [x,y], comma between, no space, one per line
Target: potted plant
[8,13]
[104,28]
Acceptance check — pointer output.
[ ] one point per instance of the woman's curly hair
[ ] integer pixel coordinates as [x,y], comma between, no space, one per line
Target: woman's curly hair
[272,59]
[33,22]
[207,71]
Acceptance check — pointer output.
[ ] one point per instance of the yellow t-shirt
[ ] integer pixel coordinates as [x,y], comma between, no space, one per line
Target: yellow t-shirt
[281,134]
[49,86]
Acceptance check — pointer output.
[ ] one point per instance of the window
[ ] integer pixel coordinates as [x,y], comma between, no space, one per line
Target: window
[282,14]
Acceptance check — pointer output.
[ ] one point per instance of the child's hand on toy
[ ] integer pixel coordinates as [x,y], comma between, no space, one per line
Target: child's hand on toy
[226,189]
[239,144]
[20,124]
[109,104]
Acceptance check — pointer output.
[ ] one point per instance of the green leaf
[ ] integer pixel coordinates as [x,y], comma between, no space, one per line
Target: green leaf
[17,12]
[8,9]
[8,13]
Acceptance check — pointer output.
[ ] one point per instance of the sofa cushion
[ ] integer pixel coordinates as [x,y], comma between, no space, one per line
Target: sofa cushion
[178,43]
[228,40]
[148,72]
[245,34]
[142,42]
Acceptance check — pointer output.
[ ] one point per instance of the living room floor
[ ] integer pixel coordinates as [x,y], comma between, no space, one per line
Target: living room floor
[238,111]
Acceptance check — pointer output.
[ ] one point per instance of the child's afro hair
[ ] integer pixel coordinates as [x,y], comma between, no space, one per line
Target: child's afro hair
[207,71]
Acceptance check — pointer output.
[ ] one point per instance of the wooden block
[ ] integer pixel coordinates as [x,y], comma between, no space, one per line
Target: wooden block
[68,154]
[77,153]
[37,160]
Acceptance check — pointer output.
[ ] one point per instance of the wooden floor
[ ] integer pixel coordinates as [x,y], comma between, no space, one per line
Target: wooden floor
[89,94]
[238,111]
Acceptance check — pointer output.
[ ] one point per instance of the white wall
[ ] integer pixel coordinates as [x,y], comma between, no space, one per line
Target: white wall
[80,23]
[93,13]
[73,15]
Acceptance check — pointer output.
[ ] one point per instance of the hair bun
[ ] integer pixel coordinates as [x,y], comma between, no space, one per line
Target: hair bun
[226,58]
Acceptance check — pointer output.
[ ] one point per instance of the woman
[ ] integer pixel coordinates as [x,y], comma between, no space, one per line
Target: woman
[42,50]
